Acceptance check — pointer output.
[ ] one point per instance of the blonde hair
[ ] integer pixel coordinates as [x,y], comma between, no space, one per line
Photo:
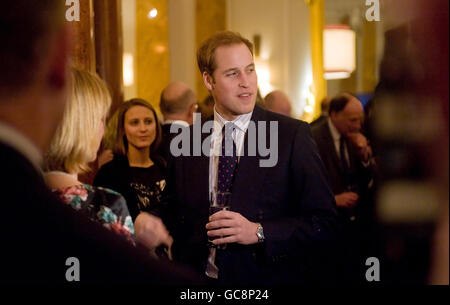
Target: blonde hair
[75,143]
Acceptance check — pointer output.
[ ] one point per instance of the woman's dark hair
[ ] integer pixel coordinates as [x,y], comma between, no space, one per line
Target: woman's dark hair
[121,142]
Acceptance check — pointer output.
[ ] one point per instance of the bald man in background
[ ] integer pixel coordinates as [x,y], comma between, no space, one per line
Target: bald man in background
[277,101]
[345,150]
[347,156]
[178,103]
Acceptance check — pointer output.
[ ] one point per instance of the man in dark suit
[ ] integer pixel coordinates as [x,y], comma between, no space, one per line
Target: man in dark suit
[44,240]
[178,103]
[281,210]
[324,106]
[345,151]
[347,156]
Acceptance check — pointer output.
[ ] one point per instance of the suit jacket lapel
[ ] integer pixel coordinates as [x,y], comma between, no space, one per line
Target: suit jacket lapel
[249,176]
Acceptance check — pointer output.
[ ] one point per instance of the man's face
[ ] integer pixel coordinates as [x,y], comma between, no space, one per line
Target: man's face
[349,119]
[234,82]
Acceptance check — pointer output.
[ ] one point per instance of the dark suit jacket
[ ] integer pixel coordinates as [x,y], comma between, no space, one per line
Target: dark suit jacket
[39,233]
[164,147]
[359,175]
[318,121]
[291,200]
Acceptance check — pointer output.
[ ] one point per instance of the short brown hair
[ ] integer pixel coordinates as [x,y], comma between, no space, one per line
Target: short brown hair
[121,143]
[25,28]
[205,54]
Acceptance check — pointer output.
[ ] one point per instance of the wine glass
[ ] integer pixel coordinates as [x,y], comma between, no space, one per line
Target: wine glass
[219,201]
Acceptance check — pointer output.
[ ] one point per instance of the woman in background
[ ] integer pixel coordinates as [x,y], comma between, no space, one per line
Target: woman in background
[136,171]
[74,145]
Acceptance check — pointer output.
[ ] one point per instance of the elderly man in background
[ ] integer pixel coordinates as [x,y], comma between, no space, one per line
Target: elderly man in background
[347,156]
[278,102]
[178,103]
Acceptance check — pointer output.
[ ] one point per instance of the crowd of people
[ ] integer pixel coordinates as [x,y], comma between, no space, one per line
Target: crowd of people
[146,216]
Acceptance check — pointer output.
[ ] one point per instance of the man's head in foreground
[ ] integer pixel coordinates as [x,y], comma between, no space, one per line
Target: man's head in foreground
[34,67]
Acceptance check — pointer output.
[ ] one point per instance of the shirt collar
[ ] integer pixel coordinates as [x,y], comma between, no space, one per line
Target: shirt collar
[179,122]
[22,144]
[334,132]
[241,122]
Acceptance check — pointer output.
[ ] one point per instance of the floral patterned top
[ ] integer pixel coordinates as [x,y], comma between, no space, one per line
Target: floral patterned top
[102,205]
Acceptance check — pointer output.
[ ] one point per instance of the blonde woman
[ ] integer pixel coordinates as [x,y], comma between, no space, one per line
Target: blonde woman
[74,145]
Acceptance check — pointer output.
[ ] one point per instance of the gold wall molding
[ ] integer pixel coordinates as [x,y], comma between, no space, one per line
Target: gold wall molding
[152,43]
[210,18]
[369,54]
[317,22]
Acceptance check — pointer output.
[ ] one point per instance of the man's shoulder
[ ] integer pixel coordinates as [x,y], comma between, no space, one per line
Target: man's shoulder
[262,114]
[165,129]
[171,129]
[35,220]
[319,129]
[14,165]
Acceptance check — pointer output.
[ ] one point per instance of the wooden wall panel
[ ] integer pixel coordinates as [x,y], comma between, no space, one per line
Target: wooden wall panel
[83,55]
[152,43]
[108,47]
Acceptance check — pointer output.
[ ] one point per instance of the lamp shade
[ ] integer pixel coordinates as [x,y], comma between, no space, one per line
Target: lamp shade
[338,51]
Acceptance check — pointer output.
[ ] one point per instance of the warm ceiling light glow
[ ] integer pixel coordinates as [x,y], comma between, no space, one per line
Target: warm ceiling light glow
[153,13]
[308,109]
[339,45]
[336,75]
[160,49]
[263,73]
[128,73]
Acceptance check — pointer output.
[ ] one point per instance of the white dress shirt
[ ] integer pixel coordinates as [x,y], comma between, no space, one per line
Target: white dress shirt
[241,123]
[179,122]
